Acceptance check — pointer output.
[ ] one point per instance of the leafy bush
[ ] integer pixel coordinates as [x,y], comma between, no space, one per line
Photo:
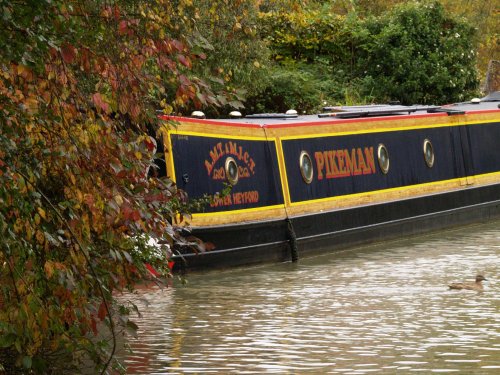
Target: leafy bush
[415,53]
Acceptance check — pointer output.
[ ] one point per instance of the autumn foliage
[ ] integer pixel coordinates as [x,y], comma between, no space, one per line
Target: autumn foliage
[80,83]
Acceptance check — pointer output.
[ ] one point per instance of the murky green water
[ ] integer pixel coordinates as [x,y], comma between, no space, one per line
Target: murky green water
[382,309]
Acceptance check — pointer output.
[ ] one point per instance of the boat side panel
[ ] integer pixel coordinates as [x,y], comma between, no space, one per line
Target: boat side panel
[200,170]
[348,164]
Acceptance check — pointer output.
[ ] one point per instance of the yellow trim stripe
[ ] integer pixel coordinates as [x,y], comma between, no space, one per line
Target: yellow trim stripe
[224,136]
[401,188]
[381,130]
[167,144]
[244,210]
[282,172]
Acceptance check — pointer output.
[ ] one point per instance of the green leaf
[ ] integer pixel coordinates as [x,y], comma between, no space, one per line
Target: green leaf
[27,362]
[7,340]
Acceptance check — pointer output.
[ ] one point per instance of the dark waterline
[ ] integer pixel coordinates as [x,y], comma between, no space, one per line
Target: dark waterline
[379,309]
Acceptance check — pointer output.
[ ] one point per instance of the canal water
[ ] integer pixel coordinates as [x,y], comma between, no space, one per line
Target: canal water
[382,309]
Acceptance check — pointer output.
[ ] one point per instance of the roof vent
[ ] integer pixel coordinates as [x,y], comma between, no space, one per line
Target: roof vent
[475,100]
[235,114]
[197,114]
[291,112]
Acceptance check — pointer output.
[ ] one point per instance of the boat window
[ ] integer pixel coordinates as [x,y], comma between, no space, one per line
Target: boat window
[231,171]
[428,153]
[306,167]
[383,158]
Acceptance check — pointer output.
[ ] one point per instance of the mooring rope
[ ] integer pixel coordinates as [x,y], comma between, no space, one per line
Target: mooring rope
[290,231]
[292,239]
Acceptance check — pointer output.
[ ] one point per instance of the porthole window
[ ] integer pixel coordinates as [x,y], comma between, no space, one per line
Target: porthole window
[231,171]
[306,167]
[428,153]
[383,158]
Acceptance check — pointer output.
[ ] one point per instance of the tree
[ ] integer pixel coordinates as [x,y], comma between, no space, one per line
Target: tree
[80,83]
[236,59]
[417,53]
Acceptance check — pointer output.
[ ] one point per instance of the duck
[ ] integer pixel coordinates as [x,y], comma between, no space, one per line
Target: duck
[477,285]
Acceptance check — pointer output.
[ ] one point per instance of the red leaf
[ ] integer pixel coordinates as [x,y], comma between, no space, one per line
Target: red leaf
[102,311]
[177,44]
[116,13]
[100,103]
[85,59]
[136,216]
[150,144]
[68,53]
[123,27]
[184,60]
[151,270]
[93,325]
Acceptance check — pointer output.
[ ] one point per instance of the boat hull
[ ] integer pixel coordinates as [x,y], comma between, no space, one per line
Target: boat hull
[269,241]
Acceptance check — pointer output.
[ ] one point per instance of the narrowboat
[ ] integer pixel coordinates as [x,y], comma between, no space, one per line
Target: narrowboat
[353,175]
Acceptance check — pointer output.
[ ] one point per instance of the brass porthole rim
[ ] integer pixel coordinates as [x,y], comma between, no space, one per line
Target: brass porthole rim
[430,163]
[384,169]
[307,179]
[231,180]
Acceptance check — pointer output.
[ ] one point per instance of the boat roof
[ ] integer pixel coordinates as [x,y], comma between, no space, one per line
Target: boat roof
[488,103]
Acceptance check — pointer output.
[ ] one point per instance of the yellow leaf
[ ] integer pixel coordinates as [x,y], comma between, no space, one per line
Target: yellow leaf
[18,225]
[21,69]
[118,199]
[49,269]
[79,196]
[29,232]
[40,237]
[138,155]
[41,212]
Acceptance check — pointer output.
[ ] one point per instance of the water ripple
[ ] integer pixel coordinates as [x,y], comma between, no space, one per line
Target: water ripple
[379,309]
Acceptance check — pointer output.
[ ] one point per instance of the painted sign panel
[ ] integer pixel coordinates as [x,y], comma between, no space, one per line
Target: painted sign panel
[349,164]
[200,169]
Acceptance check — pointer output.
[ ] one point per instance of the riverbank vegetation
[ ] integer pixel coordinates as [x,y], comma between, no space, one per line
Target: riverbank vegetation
[80,87]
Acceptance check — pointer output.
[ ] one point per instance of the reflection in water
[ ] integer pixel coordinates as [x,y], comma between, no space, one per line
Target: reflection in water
[383,309]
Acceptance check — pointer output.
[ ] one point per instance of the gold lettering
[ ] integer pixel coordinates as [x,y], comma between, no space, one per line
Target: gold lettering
[341,163]
[370,160]
[209,166]
[361,161]
[350,162]
[320,163]
[251,165]
[237,198]
[214,155]
[232,148]
[342,169]
[221,151]
[331,165]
